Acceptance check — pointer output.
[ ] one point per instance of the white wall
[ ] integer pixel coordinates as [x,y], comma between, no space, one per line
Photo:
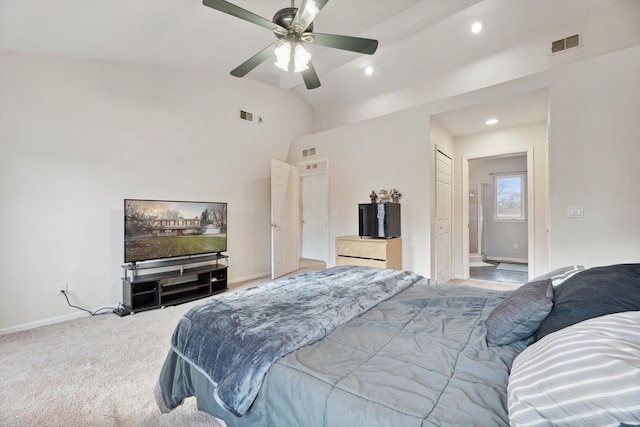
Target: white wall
[519,139]
[388,152]
[593,161]
[606,27]
[77,137]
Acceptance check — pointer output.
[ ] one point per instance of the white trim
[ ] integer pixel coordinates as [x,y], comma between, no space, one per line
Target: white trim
[523,189]
[51,320]
[530,177]
[434,224]
[327,213]
[78,314]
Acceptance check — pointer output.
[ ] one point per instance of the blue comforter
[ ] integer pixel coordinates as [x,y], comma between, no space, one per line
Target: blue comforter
[234,339]
[418,359]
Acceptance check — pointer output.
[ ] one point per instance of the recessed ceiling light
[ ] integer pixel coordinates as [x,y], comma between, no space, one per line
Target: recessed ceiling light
[477,26]
[368,71]
[491,121]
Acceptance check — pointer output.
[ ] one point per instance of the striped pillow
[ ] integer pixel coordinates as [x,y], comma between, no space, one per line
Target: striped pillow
[585,374]
[561,274]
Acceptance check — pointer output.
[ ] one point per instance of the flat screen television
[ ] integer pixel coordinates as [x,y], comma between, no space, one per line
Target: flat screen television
[156,229]
[379,220]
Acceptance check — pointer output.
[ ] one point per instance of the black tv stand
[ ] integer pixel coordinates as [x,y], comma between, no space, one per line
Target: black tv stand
[156,284]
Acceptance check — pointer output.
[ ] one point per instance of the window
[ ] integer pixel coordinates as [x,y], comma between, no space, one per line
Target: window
[509,197]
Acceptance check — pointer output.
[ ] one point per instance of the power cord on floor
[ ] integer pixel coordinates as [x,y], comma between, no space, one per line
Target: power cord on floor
[93,313]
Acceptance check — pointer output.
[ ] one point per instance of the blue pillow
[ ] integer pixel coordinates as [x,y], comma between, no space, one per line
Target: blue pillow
[593,293]
[519,315]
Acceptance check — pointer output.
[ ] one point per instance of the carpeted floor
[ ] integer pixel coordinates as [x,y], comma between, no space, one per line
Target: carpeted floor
[95,372]
[92,371]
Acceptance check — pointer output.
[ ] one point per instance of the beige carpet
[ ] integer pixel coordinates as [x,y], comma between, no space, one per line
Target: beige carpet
[94,371]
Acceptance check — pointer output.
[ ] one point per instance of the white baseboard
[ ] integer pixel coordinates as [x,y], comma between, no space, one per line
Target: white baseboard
[78,314]
[45,322]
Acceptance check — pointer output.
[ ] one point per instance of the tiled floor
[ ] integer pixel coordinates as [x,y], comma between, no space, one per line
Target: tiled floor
[492,274]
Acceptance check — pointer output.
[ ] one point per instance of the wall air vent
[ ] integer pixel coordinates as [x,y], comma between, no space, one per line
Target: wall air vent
[245,115]
[308,152]
[566,43]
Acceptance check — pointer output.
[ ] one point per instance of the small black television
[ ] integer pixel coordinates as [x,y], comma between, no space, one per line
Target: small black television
[379,220]
[157,229]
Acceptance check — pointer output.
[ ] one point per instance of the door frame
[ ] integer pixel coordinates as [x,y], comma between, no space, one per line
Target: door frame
[530,206]
[288,245]
[324,160]
[435,268]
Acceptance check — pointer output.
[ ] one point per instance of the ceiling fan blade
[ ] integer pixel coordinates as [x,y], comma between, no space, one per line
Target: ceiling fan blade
[308,11]
[354,44]
[310,77]
[254,61]
[238,12]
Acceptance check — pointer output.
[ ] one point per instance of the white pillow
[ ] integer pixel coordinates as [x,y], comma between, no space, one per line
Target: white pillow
[561,274]
[585,374]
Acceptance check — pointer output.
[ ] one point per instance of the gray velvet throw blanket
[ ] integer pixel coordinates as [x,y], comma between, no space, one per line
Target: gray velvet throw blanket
[234,339]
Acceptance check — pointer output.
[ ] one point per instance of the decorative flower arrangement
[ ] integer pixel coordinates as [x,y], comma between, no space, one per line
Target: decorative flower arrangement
[384,196]
[395,195]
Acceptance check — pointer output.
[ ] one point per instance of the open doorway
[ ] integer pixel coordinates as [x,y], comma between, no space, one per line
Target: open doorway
[522,129]
[497,208]
[314,211]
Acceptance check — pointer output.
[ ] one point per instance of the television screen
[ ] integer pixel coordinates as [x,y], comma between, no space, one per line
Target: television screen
[155,229]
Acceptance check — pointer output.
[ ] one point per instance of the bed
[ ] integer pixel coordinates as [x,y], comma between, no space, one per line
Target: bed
[359,346]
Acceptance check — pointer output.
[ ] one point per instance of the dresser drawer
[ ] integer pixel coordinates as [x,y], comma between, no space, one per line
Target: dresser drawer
[381,253]
[368,248]
[343,260]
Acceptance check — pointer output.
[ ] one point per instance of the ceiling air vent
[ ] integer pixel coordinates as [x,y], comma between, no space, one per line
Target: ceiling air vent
[308,152]
[567,43]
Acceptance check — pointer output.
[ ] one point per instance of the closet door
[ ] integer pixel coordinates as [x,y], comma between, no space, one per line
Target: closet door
[443,221]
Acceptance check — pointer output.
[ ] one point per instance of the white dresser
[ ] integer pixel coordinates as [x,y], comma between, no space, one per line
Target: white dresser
[356,250]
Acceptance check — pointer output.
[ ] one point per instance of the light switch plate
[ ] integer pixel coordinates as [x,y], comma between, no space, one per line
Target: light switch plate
[575,212]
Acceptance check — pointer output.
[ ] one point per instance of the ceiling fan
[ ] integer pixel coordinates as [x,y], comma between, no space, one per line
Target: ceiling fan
[293,27]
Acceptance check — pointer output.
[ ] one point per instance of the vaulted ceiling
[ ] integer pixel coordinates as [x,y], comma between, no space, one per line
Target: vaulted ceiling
[416,37]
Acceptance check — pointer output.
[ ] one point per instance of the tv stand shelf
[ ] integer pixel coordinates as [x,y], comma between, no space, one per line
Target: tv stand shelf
[160,284]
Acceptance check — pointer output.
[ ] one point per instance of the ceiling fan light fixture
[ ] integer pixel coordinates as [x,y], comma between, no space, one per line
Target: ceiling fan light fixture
[283,55]
[301,58]
[292,27]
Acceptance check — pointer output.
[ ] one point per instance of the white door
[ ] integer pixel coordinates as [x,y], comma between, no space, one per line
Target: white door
[284,219]
[444,238]
[315,217]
